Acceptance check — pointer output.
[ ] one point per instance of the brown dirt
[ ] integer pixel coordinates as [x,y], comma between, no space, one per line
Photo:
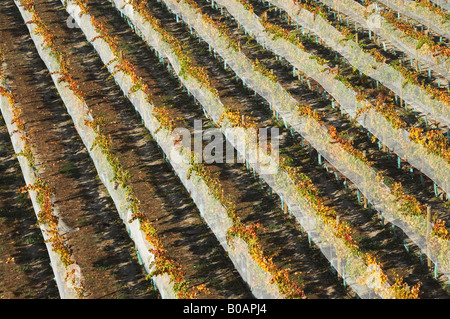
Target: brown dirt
[96,237]
[164,200]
